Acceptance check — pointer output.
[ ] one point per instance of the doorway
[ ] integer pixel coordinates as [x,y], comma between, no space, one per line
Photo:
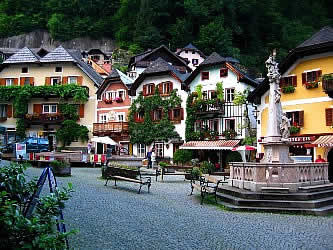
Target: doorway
[330,165]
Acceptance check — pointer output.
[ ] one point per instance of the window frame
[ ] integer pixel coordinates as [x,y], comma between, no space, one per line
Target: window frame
[155,112]
[22,69]
[72,77]
[159,149]
[120,114]
[150,89]
[121,91]
[226,124]
[195,61]
[228,95]
[223,72]
[50,105]
[111,95]
[53,78]
[4,108]
[57,67]
[141,150]
[12,81]
[173,114]
[204,75]
[102,116]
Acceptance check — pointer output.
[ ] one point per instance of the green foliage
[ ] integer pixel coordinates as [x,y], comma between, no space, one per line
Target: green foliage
[69,111]
[241,97]
[229,134]
[249,140]
[233,156]
[288,89]
[163,164]
[207,167]
[294,130]
[198,90]
[37,231]
[58,164]
[220,91]
[148,131]
[190,119]
[20,128]
[182,156]
[196,173]
[71,131]
[122,68]
[113,164]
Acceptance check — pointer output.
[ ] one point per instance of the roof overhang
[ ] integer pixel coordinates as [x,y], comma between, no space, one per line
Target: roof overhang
[324,141]
[210,145]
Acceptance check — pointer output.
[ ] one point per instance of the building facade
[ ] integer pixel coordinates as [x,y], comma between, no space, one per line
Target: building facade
[43,117]
[192,55]
[306,86]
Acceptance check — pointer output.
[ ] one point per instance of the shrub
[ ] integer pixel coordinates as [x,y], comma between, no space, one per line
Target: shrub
[58,164]
[38,231]
[196,173]
[233,156]
[163,164]
[182,156]
[207,167]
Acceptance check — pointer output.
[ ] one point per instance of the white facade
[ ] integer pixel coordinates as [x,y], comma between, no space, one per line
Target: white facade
[193,57]
[230,82]
[179,127]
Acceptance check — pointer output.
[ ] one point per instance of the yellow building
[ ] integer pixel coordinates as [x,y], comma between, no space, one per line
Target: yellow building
[307,91]
[43,116]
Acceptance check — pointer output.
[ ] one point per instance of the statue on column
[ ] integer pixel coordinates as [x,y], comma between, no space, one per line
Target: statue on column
[285,127]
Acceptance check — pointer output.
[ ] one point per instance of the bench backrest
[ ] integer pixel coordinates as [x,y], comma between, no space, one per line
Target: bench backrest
[129,173]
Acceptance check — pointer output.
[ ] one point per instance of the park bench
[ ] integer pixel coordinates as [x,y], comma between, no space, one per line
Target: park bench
[130,175]
[207,185]
[164,171]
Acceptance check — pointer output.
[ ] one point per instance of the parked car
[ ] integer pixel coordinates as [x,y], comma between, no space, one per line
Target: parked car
[36,145]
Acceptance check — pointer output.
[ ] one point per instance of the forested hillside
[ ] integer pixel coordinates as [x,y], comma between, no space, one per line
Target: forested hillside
[246,29]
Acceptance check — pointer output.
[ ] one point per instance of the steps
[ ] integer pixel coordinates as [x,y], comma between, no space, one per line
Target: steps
[317,200]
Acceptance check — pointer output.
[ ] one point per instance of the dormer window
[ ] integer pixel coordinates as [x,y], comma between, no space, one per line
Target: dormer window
[223,72]
[25,70]
[195,61]
[205,75]
[186,51]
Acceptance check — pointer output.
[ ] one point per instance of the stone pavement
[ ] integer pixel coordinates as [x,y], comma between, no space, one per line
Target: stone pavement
[167,218]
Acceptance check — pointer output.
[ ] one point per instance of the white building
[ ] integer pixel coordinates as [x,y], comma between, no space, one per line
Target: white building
[192,55]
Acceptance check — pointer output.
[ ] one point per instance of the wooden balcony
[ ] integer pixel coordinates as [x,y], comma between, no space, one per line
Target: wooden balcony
[219,110]
[211,109]
[43,119]
[110,128]
[328,87]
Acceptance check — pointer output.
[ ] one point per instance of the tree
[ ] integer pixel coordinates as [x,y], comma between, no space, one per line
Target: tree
[71,131]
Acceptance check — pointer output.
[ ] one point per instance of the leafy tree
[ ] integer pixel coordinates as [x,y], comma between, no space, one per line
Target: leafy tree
[71,131]
[182,156]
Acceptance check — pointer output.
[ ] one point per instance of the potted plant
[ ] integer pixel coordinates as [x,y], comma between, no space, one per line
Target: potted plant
[61,168]
[229,134]
[294,129]
[119,99]
[312,85]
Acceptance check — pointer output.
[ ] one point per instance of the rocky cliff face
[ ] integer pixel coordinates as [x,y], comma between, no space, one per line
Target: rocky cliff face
[41,38]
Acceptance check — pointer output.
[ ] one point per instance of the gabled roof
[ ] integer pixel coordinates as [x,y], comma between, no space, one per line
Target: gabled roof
[320,42]
[322,36]
[115,76]
[158,67]
[190,46]
[60,54]
[141,57]
[24,55]
[213,59]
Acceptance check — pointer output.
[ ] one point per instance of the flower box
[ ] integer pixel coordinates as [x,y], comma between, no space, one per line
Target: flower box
[288,89]
[108,101]
[311,85]
[294,130]
[119,99]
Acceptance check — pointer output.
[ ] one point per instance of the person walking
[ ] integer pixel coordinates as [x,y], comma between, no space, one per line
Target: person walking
[149,159]
[89,146]
[153,158]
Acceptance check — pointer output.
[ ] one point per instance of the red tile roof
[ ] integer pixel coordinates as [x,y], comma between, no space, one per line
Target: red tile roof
[211,145]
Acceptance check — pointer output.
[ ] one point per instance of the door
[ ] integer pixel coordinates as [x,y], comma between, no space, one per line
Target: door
[100,148]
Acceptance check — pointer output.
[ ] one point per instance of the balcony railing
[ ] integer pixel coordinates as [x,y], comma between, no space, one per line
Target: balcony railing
[110,128]
[44,118]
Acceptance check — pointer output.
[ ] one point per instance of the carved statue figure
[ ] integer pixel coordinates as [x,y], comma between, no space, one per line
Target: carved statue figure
[284,127]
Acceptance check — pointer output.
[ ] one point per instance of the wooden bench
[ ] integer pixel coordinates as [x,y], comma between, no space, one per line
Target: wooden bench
[163,171]
[130,175]
[207,185]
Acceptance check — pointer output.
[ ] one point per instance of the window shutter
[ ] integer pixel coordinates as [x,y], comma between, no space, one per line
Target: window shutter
[9,111]
[282,82]
[329,116]
[22,79]
[79,80]
[294,81]
[160,88]
[47,81]
[81,110]
[182,114]
[32,81]
[301,118]
[65,80]
[318,74]
[15,81]
[152,115]
[37,108]
[171,86]
[153,89]
[170,114]
[2,82]
[144,90]
[303,78]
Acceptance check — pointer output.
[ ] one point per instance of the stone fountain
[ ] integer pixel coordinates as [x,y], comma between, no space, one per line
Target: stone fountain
[276,171]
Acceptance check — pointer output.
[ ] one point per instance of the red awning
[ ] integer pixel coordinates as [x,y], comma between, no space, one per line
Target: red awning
[211,145]
[324,141]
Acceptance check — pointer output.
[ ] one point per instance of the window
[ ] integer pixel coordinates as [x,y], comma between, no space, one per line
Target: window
[214,125]
[212,94]
[49,108]
[58,69]
[150,89]
[157,115]
[186,51]
[193,52]
[120,117]
[296,118]
[72,79]
[3,111]
[103,118]
[176,115]
[329,116]
[159,146]
[165,88]
[311,76]
[25,70]
[27,81]
[229,95]
[141,150]
[122,94]
[9,82]
[195,61]
[223,72]
[288,81]
[205,75]
[111,95]
[230,124]
[95,58]
[139,116]
[55,81]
